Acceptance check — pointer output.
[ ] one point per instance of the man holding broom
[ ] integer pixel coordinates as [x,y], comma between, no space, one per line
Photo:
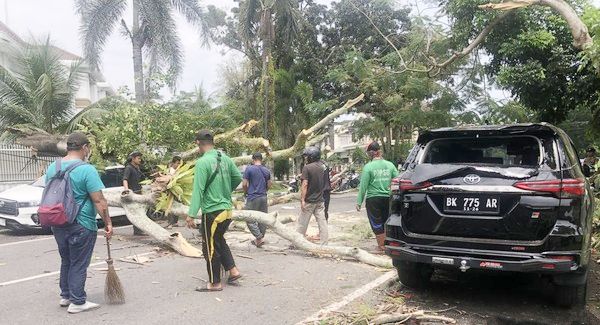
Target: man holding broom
[76,240]
[216,176]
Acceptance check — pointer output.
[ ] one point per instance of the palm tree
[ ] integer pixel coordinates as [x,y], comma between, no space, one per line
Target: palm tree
[39,91]
[265,19]
[152,33]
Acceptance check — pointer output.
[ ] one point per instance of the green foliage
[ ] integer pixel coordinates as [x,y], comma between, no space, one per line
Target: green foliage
[178,189]
[359,156]
[281,168]
[40,92]
[154,129]
[531,53]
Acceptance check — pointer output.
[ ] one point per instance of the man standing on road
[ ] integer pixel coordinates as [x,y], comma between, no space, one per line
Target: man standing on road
[257,181]
[375,183]
[76,241]
[311,193]
[132,176]
[216,176]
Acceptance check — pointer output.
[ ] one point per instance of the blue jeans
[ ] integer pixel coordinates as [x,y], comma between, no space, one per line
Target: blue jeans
[75,246]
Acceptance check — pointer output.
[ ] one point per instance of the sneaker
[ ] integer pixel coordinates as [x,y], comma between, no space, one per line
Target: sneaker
[74,309]
[64,302]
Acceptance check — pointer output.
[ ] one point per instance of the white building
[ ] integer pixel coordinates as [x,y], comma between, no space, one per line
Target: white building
[92,85]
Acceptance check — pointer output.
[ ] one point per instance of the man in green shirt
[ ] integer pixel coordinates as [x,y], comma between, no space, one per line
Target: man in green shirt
[216,176]
[375,182]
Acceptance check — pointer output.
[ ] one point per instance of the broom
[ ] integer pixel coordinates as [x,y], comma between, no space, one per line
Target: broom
[113,290]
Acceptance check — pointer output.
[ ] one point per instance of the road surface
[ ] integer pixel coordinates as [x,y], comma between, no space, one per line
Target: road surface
[279,286]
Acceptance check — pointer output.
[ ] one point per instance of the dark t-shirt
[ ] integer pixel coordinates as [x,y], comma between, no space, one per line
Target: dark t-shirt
[326,178]
[133,176]
[313,173]
[258,176]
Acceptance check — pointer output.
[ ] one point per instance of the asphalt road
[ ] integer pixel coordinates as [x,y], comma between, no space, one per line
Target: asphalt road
[279,287]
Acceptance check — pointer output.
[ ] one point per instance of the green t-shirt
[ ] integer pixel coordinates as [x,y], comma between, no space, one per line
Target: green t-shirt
[218,195]
[84,180]
[376,179]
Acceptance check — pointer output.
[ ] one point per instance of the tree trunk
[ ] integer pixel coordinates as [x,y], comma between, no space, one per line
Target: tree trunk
[267,33]
[135,206]
[138,64]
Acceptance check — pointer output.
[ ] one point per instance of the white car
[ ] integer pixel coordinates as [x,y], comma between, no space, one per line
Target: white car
[19,205]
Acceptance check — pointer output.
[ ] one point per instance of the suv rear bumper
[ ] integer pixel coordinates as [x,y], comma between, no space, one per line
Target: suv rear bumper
[484,260]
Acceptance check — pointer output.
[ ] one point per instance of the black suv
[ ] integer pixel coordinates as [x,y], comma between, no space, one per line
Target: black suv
[498,198]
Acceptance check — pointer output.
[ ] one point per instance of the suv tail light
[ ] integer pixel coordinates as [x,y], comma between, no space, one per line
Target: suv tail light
[566,188]
[406,185]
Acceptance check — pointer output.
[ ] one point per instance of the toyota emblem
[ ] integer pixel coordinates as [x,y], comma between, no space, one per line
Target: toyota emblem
[472,179]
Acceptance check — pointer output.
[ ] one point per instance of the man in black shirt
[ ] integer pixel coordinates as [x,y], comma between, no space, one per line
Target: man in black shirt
[132,175]
[311,193]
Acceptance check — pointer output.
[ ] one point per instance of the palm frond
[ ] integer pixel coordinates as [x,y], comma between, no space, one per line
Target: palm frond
[40,92]
[250,12]
[11,90]
[162,40]
[98,19]
[194,14]
[287,18]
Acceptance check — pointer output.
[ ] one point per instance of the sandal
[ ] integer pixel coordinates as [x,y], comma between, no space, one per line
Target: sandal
[253,242]
[233,279]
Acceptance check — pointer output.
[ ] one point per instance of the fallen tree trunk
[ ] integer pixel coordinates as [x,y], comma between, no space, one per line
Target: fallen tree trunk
[305,137]
[135,206]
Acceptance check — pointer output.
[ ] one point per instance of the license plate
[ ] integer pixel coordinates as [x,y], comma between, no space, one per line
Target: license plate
[442,260]
[472,204]
[3,222]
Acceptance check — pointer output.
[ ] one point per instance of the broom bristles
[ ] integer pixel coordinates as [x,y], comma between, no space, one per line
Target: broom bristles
[113,289]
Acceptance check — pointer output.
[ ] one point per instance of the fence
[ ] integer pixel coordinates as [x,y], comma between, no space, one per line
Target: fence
[19,164]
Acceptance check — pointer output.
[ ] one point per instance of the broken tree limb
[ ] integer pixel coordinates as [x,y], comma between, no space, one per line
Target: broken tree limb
[403,317]
[304,135]
[475,43]
[299,241]
[135,207]
[238,135]
[579,31]
[581,36]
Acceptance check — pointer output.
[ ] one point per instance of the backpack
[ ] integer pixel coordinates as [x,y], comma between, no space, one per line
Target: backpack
[58,206]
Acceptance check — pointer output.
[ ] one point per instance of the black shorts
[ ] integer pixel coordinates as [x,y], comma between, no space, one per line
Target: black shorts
[378,211]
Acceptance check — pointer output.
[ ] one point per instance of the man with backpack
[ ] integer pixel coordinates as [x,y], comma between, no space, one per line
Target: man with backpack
[215,178]
[256,183]
[71,199]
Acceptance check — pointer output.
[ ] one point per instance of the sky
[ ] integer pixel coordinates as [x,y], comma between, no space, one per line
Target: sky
[36,19]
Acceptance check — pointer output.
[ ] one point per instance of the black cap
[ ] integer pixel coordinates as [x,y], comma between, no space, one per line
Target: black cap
[373,146]
[76,140]
[591,149]
[204,135]
[135,154]
[257,156]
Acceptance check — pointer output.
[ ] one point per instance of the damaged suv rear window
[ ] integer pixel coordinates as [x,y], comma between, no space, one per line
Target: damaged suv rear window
[507,151]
